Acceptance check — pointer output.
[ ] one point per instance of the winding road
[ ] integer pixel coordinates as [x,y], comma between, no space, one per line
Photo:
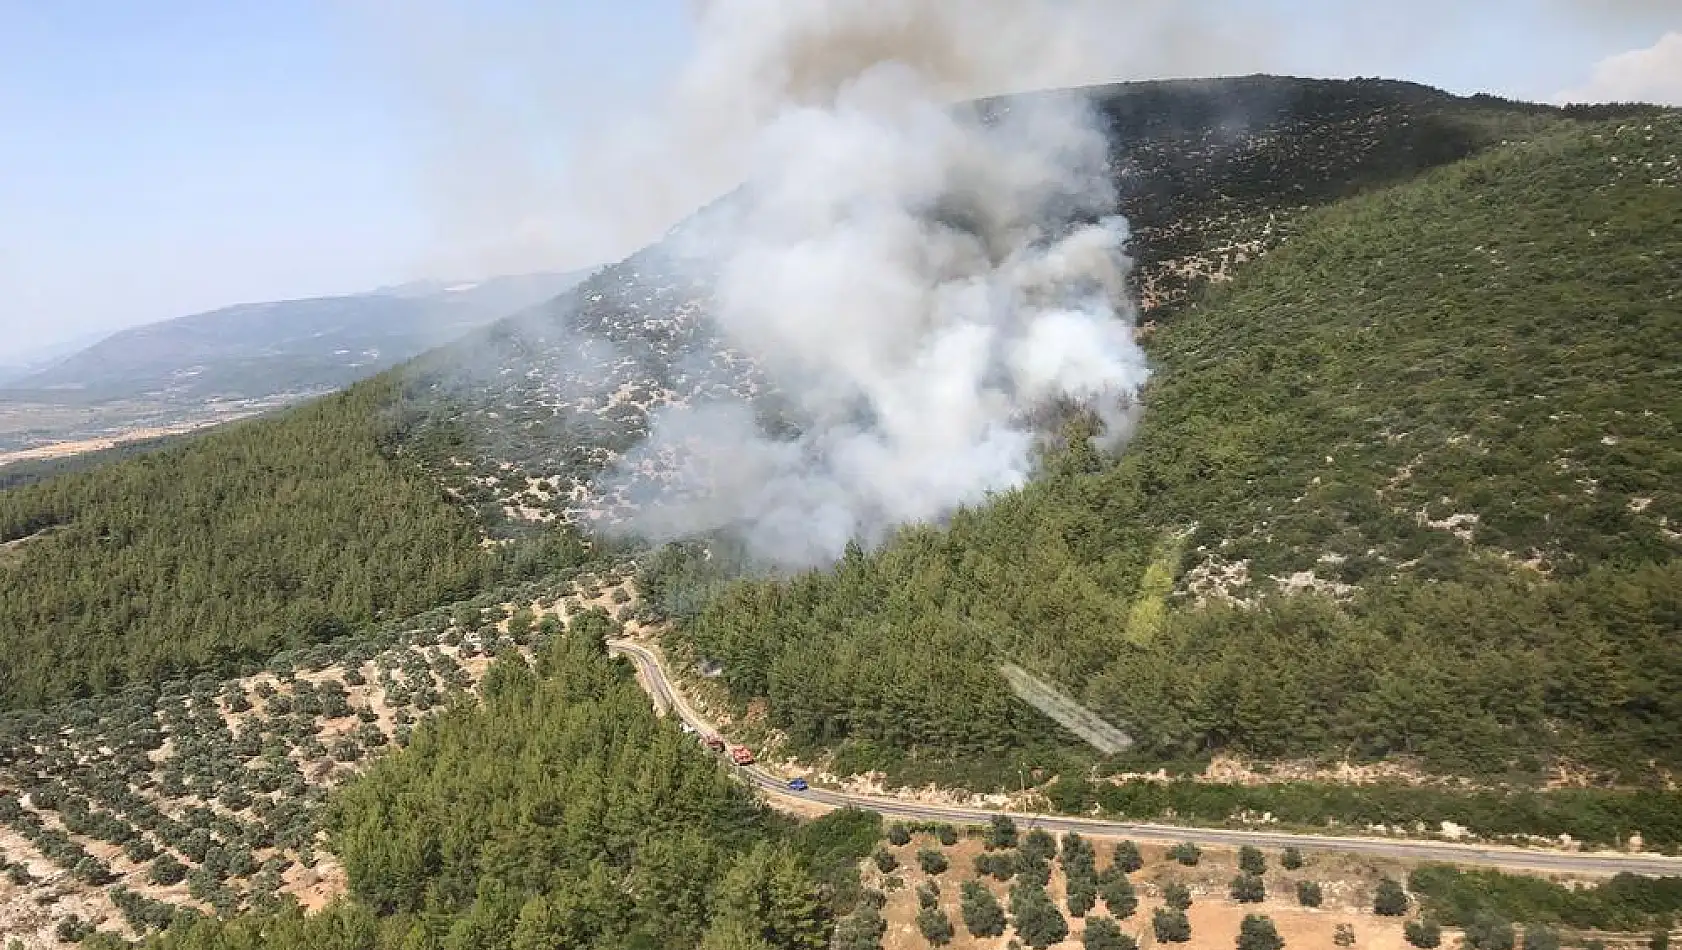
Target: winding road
[652,675]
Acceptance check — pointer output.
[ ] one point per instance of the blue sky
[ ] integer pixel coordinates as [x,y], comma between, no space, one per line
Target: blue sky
[171,156]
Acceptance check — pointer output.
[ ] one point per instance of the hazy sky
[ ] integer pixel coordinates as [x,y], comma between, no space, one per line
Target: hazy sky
[172,156]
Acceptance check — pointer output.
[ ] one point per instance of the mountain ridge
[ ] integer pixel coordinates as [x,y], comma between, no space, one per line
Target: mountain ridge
[329,338]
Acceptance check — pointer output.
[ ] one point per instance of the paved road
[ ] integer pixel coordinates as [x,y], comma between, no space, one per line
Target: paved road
[667,700]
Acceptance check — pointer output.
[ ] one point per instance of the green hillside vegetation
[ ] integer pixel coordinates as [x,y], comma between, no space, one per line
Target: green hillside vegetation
[1625,902]
[262,536]
[1491,348]
[560,813]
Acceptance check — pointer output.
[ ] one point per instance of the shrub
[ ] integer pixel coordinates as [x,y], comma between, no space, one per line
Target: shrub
[1486,931]
[1540,937]
[1038,922]
[1001,833]
[898,834]
[1102,933]
[1390,900]
[1291,860]
[1170,925]
[1251,860]
[885,860]
[1039,845]
[932,861]
[1423,933]
[1186,853]
[935,926]
[1118,894]
[1309,894]
[983,916]
[1258,933]
[1127,857]
[1248,889]
[1176,895]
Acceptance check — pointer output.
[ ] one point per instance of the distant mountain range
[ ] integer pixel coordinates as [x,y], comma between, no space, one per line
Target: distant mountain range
[259,350]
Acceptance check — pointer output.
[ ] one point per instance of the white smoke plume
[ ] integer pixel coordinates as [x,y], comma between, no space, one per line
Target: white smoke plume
[917,278]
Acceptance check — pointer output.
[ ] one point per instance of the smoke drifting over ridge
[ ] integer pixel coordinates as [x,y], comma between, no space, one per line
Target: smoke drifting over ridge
[916,279]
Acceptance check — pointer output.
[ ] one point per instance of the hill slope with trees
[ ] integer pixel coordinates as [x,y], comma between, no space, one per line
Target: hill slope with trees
[1406,486]
[266,535]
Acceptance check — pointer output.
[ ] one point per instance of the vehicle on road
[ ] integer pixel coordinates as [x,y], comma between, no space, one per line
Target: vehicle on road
[798,784]
[741,755]
[714,743]
[687,728]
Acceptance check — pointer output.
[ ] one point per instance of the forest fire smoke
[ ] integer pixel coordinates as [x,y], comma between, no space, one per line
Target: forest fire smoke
[916,278]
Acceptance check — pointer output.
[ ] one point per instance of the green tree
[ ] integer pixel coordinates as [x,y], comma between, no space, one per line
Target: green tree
[1102,933]
[1257,932]
[1486,931]
[1038,921]
[1423,933]
[1176,895]
[935,926]
[1186,853]
[1248,889]
[166,870]
[932,861]
[1309,893]
[1171,925]
[983,917]
[898,834]
[728,933]
[1291,859]
[1389,900]
[885,860]
[1001,833]
[1540,937]
[1082,894]
[860,930]
[1251,860]
[1117,891]
[767,888]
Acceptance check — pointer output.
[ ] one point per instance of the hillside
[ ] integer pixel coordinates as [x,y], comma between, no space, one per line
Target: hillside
[238,360]
[254,350]
[1404,487]
[1402,496]
[268,534]
[519,422]
[523,418]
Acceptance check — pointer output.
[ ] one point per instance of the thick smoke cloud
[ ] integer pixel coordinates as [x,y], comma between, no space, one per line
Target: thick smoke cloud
[918,280]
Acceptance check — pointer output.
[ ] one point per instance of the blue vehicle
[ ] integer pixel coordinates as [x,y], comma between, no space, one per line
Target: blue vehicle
[798,784]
